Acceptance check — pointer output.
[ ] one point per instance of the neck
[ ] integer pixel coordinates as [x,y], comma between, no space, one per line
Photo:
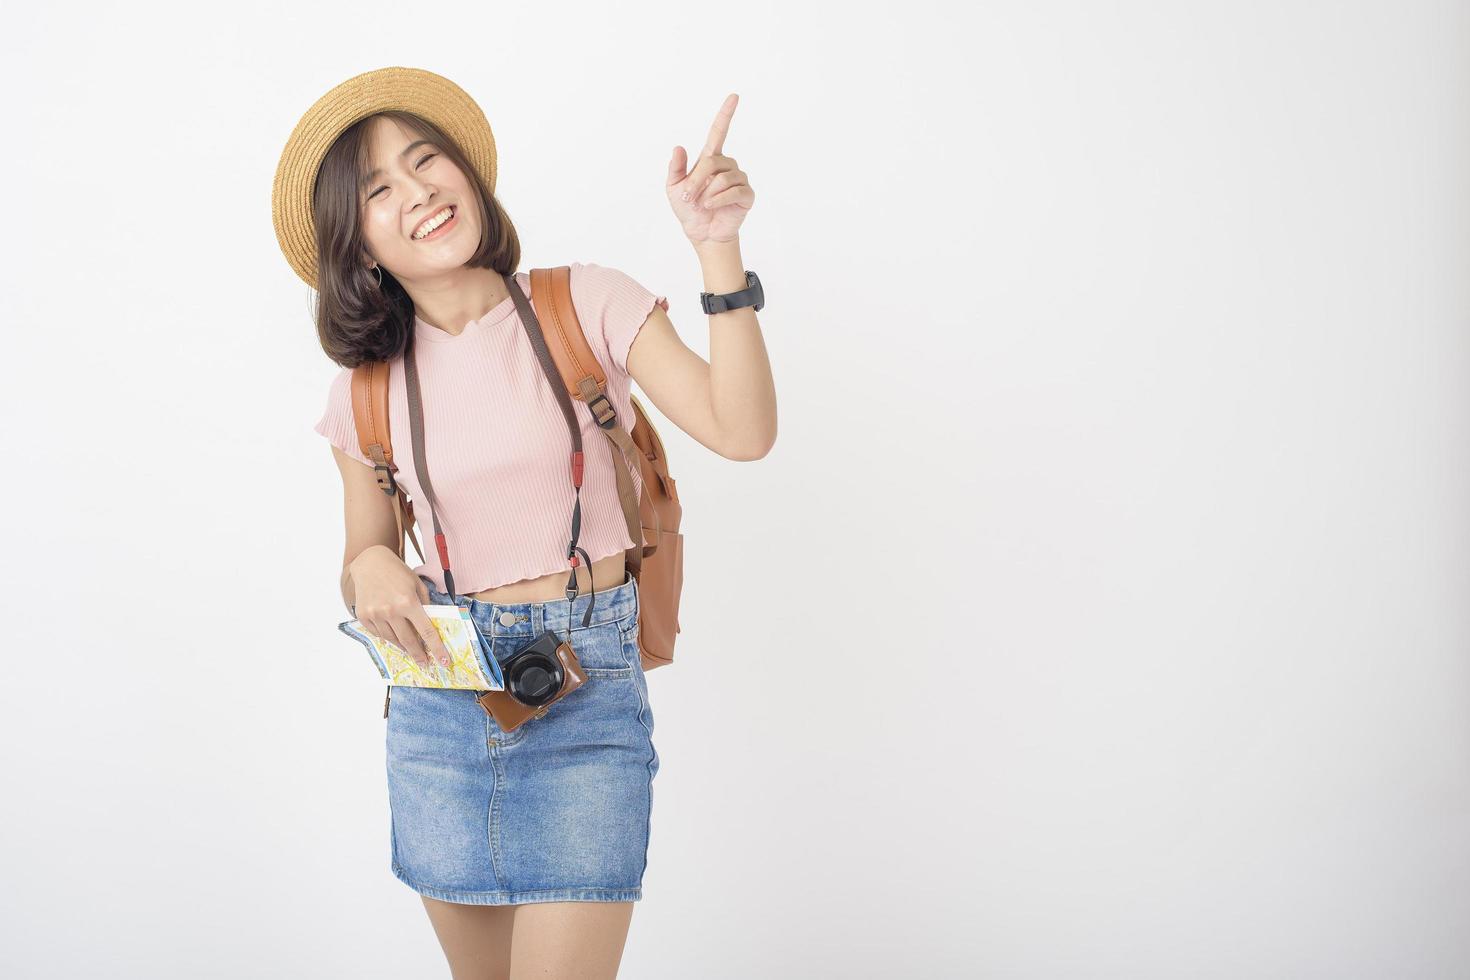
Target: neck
[456,302]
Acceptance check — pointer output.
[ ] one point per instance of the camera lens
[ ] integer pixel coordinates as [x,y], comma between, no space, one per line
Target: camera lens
[534,679]
[535,682]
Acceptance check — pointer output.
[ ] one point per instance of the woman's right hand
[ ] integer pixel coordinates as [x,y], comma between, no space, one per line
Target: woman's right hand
[389,600]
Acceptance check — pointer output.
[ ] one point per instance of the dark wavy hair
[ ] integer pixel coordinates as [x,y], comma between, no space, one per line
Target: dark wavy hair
[356,321]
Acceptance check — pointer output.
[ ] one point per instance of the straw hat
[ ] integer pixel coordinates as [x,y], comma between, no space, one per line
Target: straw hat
[423,93]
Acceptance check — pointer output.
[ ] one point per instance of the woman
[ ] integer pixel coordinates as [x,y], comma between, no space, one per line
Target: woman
[384,203]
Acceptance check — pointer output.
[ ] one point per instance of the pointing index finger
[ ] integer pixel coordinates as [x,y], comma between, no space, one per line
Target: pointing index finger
[721,127]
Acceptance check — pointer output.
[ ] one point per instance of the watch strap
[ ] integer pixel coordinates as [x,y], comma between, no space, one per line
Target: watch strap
[751,295]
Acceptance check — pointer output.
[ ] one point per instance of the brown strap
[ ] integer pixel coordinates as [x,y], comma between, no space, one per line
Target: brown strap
[622,447]
[583,379]
[403,514]
[551,294]
[420,462]
[374,438]
[531,321]
[370,416]
[582,374]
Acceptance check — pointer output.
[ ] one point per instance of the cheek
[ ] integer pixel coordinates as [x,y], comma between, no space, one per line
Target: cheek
[379,230]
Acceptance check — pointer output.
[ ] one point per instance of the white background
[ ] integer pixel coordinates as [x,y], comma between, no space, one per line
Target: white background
[1100,611]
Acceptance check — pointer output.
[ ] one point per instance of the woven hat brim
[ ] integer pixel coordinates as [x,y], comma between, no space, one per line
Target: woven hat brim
[415,90]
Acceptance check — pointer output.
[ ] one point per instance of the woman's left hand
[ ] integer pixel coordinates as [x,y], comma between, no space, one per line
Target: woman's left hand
[711,200]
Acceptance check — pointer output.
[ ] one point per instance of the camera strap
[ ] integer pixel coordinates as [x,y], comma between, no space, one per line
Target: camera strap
[416,427]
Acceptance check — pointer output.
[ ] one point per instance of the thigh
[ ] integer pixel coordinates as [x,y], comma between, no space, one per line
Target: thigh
[572,812]
[570,939]
[476,938]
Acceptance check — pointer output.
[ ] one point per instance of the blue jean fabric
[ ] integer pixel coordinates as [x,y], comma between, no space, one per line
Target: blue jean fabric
[557,810]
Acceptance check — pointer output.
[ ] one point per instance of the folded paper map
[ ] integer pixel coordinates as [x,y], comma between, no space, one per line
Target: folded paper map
[471,665]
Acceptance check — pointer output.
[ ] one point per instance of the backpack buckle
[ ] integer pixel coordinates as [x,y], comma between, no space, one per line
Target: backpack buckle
[386,482]
[603,411]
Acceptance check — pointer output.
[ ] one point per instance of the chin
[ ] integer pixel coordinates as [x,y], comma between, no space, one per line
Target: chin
[450,257]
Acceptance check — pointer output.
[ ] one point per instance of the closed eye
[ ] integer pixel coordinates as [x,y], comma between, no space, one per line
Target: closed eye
[422,160]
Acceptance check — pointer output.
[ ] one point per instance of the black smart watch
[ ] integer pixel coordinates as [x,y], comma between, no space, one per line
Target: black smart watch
[751,295]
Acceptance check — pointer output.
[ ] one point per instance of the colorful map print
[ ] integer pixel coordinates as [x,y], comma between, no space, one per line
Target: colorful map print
[471,668]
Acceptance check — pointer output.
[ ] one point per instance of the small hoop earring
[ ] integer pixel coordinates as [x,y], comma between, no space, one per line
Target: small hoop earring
[379,271]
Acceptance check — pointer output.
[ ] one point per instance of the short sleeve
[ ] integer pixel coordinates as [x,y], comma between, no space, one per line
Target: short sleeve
[336,423]
[617,302]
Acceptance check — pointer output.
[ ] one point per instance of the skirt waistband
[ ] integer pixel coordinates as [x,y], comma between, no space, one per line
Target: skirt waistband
[612,605]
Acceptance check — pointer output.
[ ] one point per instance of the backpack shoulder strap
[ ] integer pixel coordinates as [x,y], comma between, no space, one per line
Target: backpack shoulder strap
[370,417]
[551,297]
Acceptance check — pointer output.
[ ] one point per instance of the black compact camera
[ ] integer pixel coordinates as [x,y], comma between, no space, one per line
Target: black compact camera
[534,676]
[546,671]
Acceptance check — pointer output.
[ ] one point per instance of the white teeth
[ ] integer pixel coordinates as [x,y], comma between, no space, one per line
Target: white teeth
[435,222]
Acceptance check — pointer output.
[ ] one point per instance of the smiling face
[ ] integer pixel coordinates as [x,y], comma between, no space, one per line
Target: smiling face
[411,187]
[377,183]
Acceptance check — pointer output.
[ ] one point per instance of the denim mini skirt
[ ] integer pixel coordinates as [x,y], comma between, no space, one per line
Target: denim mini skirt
[557,810]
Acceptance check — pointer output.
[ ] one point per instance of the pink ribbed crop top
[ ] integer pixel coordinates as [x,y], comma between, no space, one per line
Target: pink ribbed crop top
[496,441]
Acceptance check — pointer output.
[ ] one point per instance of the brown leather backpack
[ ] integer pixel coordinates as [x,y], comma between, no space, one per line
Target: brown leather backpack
[653,519]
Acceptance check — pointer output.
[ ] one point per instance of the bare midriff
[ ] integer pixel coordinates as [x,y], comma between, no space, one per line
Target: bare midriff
[610,572]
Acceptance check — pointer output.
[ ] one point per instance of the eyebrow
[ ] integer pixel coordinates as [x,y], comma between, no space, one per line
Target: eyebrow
[406,151]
